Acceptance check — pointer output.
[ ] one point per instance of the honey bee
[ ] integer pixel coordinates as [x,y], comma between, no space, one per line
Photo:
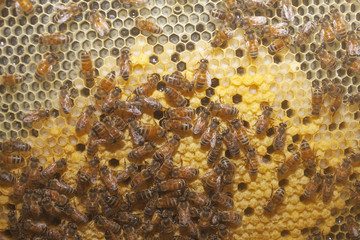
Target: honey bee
[13,224]
[198,199]
[279,44]
[99,22]
[139,152]
[253,22]
[143,195]
[278,30]
[33,171]
[252,44]
[87,69]
[338,23]
[223,109]
[107,224]
[147,88]
[352,227]
[312,187]
[221,36]
[92,202]
[224,232]
[100,129]
[110,100]
[206,216]
[149,103]
[176,124]
[209,135]
[352,63]
[166,202]
[36,115]
[150,208]
[223,200]
[317,100]
[124,175]
[35,227]
[116,202]
[287,11]
[92,146]
[132,107]
[66,13]
[145,25]
[21,184]
[87,174]
[180,112]
[6,177]
[186,173]
[280,137]
[231,142]
[202,77]
[60,186]
[138,139]
[54,39]
[335,104]
[109,179]
[343,171]
[230,217]
[229,17]
[288,164]
[171,185]
[201,122]
[166,225]
[25,5]
[327,59]
[164,170]
[178,81]
[141,178]
[115,133]
[353,99]
[56,167]
[11,80]
[46,65]
[229,170]
[240,132]
[168,149]
[65,101]
[352,44]
[11,160]
[334,90]
[303,35]
[50,207]
[105,86]
[85,118]
[175,97]
[274,200]
[252,160]
[129,232]
[151,131]
[327,34]
[328,187]
[212,180]
[184,212]
[125,63]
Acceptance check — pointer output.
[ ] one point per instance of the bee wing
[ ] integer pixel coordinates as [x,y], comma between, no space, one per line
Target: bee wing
[213,139]
[208,78]
[60,6]
[31,116]
[196,74]
[66,104]
[287,12]
[126,66]
[17,7]
[353,48]
[322,35]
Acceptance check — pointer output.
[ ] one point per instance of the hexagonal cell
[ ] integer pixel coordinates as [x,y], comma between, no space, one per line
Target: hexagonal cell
[180,47]
[158,49]
[175,57]
[181,66]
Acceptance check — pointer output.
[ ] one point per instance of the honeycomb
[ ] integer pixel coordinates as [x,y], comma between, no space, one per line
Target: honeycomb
[284,80]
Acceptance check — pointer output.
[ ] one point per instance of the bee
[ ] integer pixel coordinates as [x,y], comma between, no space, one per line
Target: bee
[54,39]
[151,131]
[328,187]
[100,129]
[202,77]
[178,81]
[110,100]
[171,185]
[50,207]
[54,168]
[209,135]
[287,11]
[343,171]
[46,65]
[335,104]
[36,115]
[317,100]
[303,35]
[221,36]
[353,99]
[109,180]
[186,173]
[231,4]
[168,149]
[240,132]
[107,224]
[229,170]
[129,232]
[35,227]
[338,23]
[288,164]
[105,86]
[312,187]
[166,225]
[92,146]
[252,44]
[334,90]
[99,22]
[280,137]
[150,208]
[65,101]
[87,174]
[274,200]
[125,63]
[252,160]
[87,69]
[141,178]
[212,180]
[116,202]
[85,118]
[13,224]
[352,44]
[75,215]
[180,112]
[166,202]
[352,227]
[11,160]
[114,132]
[176,124]
[25,5]
[205,218]
[226,16]
[201,122]
[278,45]
[164,170]
[139,152]
[15,145]
[223,109]
[198,199]
[184,212]
[124,175]
[275,31]
[92,202]
[33,170]
[133,107]
[231,217]
[352,63]
[66,13]
[224,232]
[149,103]
[60,186]
[253,22]
[145,25]
[11,80]
[31,205]
[327,59]
[231,143]
[146,89]
[223,200]
[327,34]
[138,139]
[175,97]
[143,195]
[21,184]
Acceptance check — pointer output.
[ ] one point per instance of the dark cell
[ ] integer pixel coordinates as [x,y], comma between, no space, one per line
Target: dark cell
[177,10]
[200,27]
[161,86]
[158,49]
[332,127]
[237,98]
[4,108]
[85,92]
[277,59]
[227,154]
[34,132]
[55,221]
[154,59]
[302,198]
[308,172]
[205,101]
[248,211]
[54,113]
[239,52]
[113,162]
[215,82]
[240,71]
[174,38]
[133,13]
[210,92]
[181,66]
[304,231]
[283,182]
[270,149]
[180,47]
[334,228]
[80,147]
[190,46]
[134,31]
[175,57]
[285,104]
[158,114]
[124,32]
[195,37]
[290,113]
[270,132]
[291,148]
[266,158]
[199,109]
[10,206]
[328,170]
[242,186]
[184,38]
[296,138]
[285,233]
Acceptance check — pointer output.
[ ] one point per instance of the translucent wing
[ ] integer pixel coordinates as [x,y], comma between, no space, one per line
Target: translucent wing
[208,78]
